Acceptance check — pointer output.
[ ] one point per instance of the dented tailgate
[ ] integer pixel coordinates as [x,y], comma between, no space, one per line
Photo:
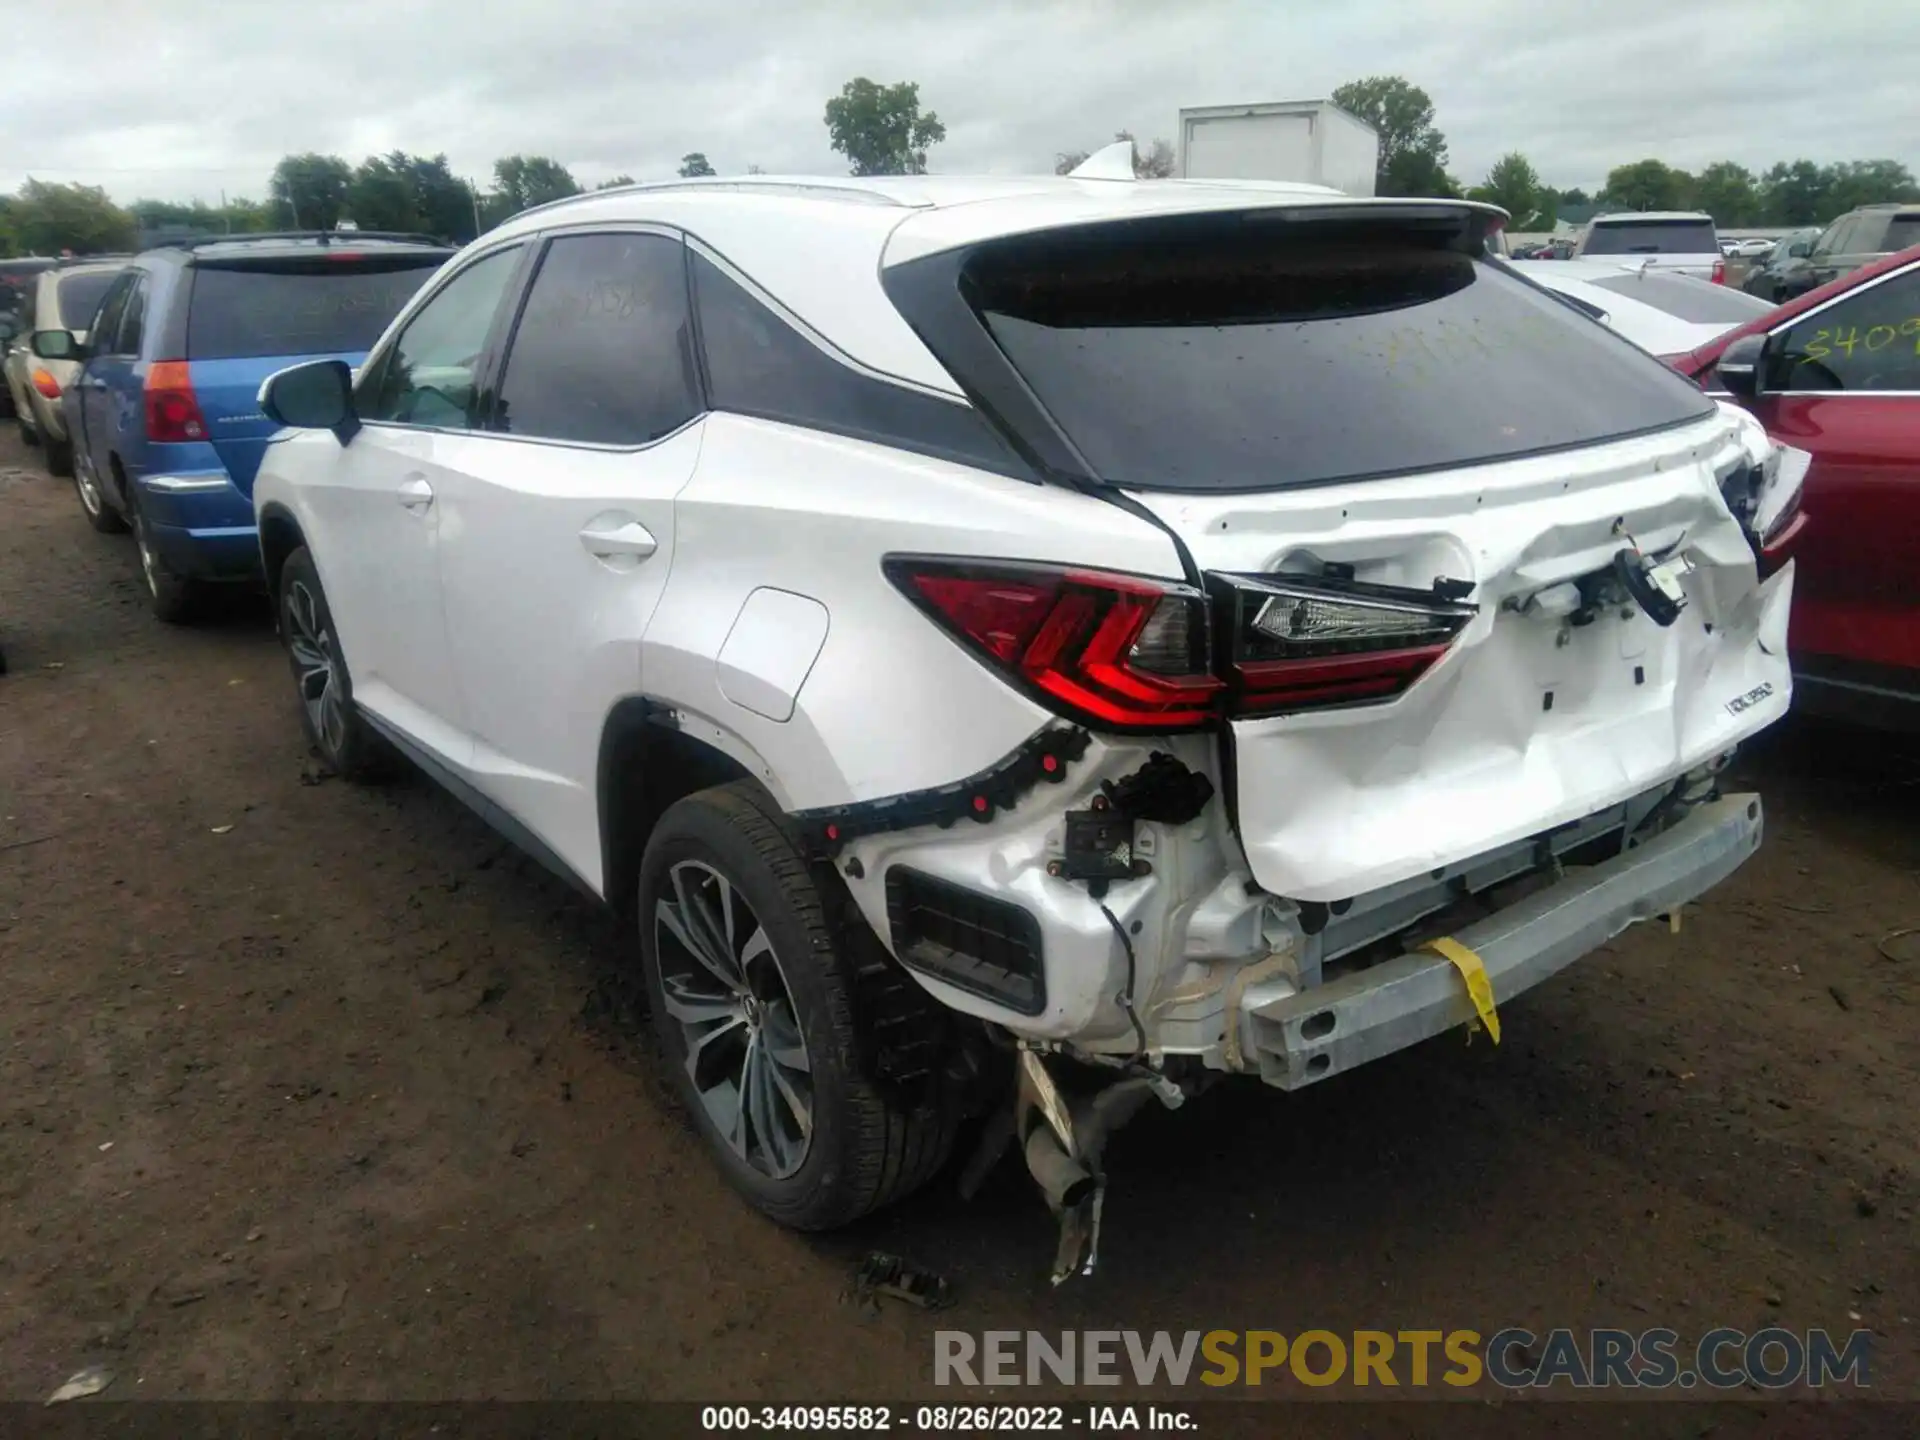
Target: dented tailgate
[1530,719]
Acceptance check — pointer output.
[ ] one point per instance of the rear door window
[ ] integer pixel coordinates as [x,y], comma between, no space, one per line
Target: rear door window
[326,304]
[603,352]
[1262,362]
[79,298]
[114,306]
[1652,237]
[757,364]
[133,321]
[1902,231]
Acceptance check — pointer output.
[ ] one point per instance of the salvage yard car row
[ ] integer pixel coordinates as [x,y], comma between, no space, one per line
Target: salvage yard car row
[1016,650]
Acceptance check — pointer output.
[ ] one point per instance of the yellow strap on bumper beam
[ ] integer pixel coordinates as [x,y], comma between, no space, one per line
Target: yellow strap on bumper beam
[1479,987]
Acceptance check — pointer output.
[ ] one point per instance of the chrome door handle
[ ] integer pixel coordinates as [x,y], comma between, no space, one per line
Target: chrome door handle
[416,494]
[631,539]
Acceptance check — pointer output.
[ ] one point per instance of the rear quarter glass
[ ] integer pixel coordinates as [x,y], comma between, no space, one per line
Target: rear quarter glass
[306,306]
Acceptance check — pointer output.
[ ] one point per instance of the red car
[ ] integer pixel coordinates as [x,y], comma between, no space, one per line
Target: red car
[1836,372]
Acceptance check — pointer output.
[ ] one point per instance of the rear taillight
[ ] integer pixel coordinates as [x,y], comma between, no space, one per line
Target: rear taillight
[173,411]
[1120,652]
[1117,652]
[1719,272]
[1309,643]
[44,382]
[1778,517]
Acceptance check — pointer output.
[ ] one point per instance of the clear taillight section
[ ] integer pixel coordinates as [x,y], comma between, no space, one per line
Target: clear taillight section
[1312,643]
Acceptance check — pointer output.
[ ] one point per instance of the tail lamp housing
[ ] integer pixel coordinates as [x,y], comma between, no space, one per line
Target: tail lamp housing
[1128,653]
[1118,652]
[44,382]
[172,409]
[1316,643]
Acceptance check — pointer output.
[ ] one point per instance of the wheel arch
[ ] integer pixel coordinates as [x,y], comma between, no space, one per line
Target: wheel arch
[653,753]
[280,536]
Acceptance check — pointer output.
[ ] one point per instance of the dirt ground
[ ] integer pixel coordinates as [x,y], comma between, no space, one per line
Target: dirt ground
[310,1091]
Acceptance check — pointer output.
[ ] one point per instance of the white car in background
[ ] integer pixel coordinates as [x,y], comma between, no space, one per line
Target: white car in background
[1662,312]
[1027,647]
[1682,240]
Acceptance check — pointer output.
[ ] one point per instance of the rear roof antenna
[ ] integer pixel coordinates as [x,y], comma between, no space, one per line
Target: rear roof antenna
[1109,162]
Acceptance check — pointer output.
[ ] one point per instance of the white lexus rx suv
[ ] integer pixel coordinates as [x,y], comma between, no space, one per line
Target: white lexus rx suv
[1022,648]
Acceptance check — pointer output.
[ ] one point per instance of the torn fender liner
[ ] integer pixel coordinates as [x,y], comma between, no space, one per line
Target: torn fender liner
[1041,759]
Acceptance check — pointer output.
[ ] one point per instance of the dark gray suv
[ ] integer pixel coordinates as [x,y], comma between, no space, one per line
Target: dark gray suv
[1857,238]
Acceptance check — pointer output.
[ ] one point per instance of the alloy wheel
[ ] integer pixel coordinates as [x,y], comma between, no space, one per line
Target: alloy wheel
[310,643]
[149,562]
[722,984]
[83,481]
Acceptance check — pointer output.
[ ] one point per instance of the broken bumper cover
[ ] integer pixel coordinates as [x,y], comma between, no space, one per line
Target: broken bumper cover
[1356,1018]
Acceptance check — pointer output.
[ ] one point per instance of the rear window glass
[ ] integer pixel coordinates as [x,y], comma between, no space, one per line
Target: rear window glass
[1904,231]
[80,297]
[1232,365]
[1696,301]
[1652,237]
[299,307]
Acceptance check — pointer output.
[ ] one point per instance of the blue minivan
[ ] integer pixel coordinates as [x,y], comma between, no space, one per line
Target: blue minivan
[165,417]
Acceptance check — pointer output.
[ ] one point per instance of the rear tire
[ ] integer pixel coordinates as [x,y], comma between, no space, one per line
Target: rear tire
[723,871]
[60,458]
[172,598]
[339,734]
[93,504]
[28,435]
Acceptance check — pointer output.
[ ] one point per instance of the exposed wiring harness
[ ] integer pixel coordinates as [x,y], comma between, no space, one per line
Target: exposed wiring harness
[1125,997]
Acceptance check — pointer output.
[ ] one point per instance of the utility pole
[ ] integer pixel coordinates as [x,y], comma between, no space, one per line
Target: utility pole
[473,194]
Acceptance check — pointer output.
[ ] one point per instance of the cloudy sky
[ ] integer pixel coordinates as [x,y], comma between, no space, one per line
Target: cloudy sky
[188,97]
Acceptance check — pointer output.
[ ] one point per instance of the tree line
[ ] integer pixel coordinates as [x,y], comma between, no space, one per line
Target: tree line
[882,129]
[1413,161]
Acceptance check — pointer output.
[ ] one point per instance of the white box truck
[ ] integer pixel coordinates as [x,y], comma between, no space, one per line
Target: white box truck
[1314,142]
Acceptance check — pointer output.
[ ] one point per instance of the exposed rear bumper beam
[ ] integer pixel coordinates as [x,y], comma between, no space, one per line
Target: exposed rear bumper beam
[1360,1017]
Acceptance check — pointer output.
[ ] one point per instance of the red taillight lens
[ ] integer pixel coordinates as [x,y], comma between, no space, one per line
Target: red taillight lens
[1719,272]
[173,411]
[44,382]
[1303,644]
[1117,652]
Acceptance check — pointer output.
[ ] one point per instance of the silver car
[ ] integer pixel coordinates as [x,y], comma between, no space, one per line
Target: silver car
[62,298]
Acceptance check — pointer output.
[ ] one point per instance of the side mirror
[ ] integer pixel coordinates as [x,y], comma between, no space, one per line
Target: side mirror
[314,396]
[58,345]
[1799,250]
[1741,364]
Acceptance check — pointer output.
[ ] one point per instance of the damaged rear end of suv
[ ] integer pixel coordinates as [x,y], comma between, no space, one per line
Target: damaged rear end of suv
[1466,628]
[1024,650]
